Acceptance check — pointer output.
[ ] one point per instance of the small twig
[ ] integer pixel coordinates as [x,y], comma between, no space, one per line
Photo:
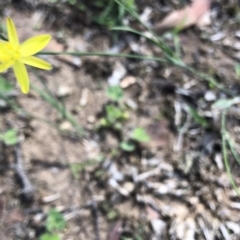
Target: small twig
[178,113]
[182,132]
[94,208]
[27,188]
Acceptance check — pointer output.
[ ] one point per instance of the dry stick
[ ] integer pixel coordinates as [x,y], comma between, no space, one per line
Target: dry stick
[182,132]
[27,188]
[94,208]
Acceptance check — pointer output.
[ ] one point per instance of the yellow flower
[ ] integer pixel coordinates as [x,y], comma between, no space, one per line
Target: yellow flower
[14,55]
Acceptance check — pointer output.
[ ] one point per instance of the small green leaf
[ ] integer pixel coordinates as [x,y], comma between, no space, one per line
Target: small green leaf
[49,236]
[104,122]
[140,135]
[72,2]
[115,93]
[112,215]
[117,126]
[9,137]
[55,221]
[225,103]
[76,168]
[237,69]
[197,117]
[5,86]
[127,146]
[130,4]
[113,113]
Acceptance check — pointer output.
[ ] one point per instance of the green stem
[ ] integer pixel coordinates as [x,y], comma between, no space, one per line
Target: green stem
[106,54]
[161,44]
[170,61]
[224,149]
[60,108]
[233,149]
[207,78]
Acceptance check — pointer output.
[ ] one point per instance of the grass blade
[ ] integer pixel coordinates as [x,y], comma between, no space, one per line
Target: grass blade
[225,157]
[60,108]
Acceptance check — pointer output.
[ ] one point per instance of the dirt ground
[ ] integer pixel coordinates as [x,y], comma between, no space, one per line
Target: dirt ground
[173,187]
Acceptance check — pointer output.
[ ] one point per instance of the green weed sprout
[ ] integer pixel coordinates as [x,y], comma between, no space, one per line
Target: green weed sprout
[55,222]
[9,137]
[115,112]
[138,135]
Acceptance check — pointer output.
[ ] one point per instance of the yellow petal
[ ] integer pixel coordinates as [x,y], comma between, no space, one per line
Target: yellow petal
[5,66]
[36,62]
[34,45]
[22,76]
[12,33]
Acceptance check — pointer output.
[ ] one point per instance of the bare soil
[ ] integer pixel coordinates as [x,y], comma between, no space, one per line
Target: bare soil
[173,187]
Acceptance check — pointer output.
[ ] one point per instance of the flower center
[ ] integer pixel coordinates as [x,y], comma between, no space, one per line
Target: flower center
[9,52]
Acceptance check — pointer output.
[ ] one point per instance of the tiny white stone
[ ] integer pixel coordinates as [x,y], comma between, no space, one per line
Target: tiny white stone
[210,96]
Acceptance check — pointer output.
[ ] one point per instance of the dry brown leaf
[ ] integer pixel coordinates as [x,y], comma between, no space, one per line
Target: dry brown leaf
[186,17]
[1,205]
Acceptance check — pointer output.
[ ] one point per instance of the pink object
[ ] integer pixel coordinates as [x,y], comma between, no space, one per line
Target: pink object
[194,14]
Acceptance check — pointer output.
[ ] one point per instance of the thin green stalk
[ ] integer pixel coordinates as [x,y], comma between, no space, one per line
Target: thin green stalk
[60,108]
[176,41]
[173,62]
[233,149]
[17,109]
[107,10]
[168,52]
[106,54]
[224,149]
[207,78]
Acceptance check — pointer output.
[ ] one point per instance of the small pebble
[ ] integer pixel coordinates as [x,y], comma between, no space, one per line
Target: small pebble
[51,198]
[158,226]
[237,34]
[66,126]
[77,61]
[91,119]
[84,97]
[218,36]
[117,74]
[128,81]
[210,96]
[130,103]
[64,91]
[128,186]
